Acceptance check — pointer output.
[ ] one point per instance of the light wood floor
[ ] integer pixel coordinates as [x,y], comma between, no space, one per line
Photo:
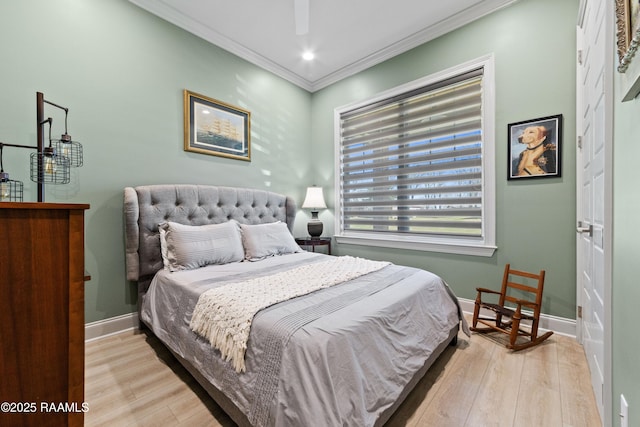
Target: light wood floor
[132,380]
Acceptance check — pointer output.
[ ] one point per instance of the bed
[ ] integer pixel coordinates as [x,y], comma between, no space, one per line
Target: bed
[341,354]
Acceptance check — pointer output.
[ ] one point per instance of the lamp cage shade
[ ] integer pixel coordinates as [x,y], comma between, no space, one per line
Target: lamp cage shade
[55,169]
[10,190]
[69,149]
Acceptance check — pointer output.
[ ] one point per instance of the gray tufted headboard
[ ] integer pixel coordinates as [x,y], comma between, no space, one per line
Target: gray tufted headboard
[147,206]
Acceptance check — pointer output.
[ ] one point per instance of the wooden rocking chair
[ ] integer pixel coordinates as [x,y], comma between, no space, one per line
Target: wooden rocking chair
[518,296]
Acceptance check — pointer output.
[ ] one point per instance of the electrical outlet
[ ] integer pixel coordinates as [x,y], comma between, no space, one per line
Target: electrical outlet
[624,412]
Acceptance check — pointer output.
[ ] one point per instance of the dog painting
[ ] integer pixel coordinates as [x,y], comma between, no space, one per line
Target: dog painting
[534,148]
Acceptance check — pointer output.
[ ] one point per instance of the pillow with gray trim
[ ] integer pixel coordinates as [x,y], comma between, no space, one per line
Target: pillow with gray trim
[192,246]
[264,240]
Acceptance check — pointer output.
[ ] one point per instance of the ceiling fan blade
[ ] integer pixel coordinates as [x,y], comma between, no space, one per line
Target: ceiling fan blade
[301,11]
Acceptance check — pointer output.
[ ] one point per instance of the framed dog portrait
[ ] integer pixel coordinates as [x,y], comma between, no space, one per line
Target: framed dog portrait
[216,128]
[535,148]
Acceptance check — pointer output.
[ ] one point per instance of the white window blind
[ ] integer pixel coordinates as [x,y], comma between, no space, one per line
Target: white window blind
[412,164]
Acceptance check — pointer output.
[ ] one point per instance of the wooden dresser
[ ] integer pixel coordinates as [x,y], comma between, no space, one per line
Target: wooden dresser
[42,314]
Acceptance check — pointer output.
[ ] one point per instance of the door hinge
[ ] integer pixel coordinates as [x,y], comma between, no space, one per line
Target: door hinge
[580,142]
[579,312]
[580,56]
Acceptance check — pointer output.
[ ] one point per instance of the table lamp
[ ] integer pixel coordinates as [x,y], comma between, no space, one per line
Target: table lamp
[314,200]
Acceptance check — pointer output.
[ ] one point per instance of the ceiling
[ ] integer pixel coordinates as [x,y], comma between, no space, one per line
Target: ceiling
[346,36]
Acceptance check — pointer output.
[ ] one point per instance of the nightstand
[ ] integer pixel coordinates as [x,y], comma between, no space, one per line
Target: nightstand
[315,241]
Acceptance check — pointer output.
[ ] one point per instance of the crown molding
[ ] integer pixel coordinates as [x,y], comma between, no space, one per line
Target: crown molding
[174,16]
[177,18]
[457,21]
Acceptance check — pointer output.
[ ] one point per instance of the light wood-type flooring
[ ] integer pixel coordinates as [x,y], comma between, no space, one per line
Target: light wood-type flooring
[132,380]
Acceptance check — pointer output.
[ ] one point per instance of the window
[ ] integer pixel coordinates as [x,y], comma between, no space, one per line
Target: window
[415,165]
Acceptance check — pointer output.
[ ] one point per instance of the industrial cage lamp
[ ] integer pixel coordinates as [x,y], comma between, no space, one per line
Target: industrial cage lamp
[65,146]
[50,164]
[10,190]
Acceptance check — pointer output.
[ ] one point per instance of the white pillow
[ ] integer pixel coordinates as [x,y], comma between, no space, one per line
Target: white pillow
[163,245]
[189,247]
[263,240]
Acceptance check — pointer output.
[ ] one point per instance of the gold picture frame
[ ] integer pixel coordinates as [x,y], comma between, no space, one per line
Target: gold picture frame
[216,128]
[627,31]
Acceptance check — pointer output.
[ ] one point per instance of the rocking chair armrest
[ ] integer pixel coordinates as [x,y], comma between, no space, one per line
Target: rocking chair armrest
[488,291]
[526,303]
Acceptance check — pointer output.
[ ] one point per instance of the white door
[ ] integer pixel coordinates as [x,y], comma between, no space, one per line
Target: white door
[593,167]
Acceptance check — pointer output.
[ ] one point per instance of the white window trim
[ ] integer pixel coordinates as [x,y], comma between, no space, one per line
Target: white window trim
[484,246]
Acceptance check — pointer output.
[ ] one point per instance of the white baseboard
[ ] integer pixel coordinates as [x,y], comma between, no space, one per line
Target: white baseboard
[559,325]
[126,322]
[111,326]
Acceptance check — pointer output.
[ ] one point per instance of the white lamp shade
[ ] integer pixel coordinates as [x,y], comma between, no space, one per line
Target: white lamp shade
[314,199]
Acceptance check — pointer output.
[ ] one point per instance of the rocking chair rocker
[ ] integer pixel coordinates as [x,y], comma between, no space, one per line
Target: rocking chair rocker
[519,296]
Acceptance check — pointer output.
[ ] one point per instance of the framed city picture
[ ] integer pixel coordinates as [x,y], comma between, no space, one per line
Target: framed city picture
[535,148]
[216,128]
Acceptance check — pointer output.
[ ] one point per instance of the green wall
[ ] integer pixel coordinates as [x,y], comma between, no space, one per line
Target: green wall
[121,72]
[626,237]
[535,77]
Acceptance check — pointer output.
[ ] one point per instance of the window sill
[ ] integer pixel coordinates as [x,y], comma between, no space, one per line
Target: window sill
[450,247]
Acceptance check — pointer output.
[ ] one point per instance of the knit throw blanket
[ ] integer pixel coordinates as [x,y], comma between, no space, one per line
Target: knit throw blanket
[223,315]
